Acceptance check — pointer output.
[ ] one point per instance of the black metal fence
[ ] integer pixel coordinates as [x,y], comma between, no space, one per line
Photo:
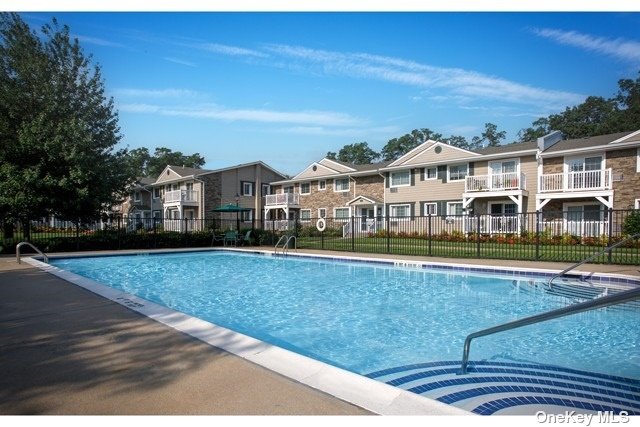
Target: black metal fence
[544,236]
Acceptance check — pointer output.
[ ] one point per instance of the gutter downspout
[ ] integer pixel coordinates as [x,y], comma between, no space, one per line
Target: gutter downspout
[384,194]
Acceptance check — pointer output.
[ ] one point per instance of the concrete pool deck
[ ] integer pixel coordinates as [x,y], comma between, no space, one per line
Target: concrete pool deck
[69,351]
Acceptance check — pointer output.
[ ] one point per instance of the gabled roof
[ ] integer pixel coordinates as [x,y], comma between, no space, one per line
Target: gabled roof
[508,148]
[364,200]
[593,141]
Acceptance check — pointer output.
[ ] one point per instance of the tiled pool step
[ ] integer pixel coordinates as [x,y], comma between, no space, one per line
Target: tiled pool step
[516,388]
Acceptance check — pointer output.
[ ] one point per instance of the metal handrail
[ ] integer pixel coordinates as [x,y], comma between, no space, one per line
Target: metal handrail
[286,245]
[275,248]
[21,244]
[617,298]
[592,257]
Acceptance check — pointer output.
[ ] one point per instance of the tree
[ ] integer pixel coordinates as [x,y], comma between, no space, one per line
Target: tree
[490,135]
[152,166]
[359,153]
[539,128]
[397,147]
[57,127]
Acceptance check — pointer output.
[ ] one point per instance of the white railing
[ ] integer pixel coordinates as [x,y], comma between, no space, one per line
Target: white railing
[496,182]
[279,225]
[576,181]
[282,199]
[181,225]
[581,228]
[181,196]
[495,224]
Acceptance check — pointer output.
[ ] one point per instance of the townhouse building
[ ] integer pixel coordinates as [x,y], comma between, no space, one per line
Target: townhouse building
[571,183]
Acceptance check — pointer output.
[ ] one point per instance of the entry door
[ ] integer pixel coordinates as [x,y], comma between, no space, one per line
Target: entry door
[365,213]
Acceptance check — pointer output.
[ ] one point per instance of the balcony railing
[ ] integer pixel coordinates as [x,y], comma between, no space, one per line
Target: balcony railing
[576,181]
[180,196]
[287,199]
[496,182]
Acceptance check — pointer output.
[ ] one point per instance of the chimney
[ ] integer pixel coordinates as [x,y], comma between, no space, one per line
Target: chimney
[544,142]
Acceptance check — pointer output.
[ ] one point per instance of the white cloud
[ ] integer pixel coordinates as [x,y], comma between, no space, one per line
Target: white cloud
[97,41]
[230,50]
[346,132]
[180,61]
[157,93]
[454,81]
[628,50]
[216,112]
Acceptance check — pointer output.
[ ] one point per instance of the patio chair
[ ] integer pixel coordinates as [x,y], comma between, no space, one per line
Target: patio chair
[230,238]
[246,239]
[216,237]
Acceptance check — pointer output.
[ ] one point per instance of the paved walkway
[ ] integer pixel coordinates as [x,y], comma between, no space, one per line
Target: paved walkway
[68,351]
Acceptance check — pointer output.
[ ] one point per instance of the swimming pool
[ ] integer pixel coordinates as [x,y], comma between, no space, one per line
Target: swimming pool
[373,317]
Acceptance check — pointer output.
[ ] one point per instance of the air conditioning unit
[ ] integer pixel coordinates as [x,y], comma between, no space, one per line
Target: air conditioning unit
[393,190]
[618,177]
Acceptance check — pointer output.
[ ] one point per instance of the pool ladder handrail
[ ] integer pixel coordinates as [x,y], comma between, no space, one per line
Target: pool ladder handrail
[286,245]
[275,248]
[592,257]
[21,244]
[604,301]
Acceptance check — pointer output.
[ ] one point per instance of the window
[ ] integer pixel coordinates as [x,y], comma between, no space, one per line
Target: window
[189,186]
[430,209]
[247,216]
[136,196]
[322,185]
[430,173]
[400,211]
[637,203]
[457,172]
[322,213]
[454,208]
[341,213]
[340,185]
[305,215]
[156,193]
[247,188]
[157,215]
[266,189]
[400,179]
[305,188]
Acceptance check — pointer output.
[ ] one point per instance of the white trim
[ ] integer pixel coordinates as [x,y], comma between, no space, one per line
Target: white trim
[412,153]
[631,135]
[424,208]
[597,148]
[328,170]
[457,180]
[426,173]
[583,157]
[305,219]
[511,159]
[392,185]
[637,204]
[325,185]
[638,160]
[307,193]
[341,179]
[342,218]
[339,164]
[400,218]
[320,214]
[251,192]
[458,202]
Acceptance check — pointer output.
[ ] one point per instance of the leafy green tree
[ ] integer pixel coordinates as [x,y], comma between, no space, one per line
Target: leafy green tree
[628,100]
[57,127]
[151,166]
[539,128]
[359,153]
[397,147]
[490,135]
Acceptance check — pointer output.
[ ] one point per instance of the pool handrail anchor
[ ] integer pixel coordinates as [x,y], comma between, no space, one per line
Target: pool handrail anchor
[21,244]
[605,301]
[285,249]
[592,257]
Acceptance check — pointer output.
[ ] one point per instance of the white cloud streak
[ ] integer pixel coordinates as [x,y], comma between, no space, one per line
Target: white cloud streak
[230,50]
[157,93]
[216,112]
[97,41]
[179,61]
[627,50]
[457,81]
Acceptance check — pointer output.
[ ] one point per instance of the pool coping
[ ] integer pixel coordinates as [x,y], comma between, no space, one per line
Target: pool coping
[367,393]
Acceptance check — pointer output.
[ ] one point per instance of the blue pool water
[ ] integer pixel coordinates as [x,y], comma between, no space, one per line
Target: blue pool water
[367,317]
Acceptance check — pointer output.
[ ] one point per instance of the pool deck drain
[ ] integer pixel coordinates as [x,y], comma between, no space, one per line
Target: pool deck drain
[364,392]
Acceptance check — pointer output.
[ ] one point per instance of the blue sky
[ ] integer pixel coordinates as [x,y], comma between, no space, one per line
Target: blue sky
[286,88]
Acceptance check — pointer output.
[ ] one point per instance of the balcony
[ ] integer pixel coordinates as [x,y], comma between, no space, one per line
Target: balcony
[575,181]
[181,196]
[495,182]
[285,199]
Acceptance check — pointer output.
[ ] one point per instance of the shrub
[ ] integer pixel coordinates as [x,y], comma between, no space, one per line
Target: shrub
[631,223]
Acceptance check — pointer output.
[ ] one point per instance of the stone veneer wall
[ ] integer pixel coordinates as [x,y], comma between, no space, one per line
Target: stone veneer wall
[369,186]
[212,193]
[553,165]
[626,179]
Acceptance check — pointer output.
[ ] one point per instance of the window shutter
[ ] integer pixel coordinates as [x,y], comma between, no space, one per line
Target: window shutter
[442,173]
[422,170]
[442,208]
[412,206]
[470,170]
[412,176]
[386,180]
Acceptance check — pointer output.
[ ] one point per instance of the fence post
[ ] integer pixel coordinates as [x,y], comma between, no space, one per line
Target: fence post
[119,221]
[155,233]
[353,234]
[478,235]
[537,234]
[429,232]
[388,235]
[610,232]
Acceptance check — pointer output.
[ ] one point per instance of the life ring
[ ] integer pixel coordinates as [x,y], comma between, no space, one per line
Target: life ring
[321,224]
